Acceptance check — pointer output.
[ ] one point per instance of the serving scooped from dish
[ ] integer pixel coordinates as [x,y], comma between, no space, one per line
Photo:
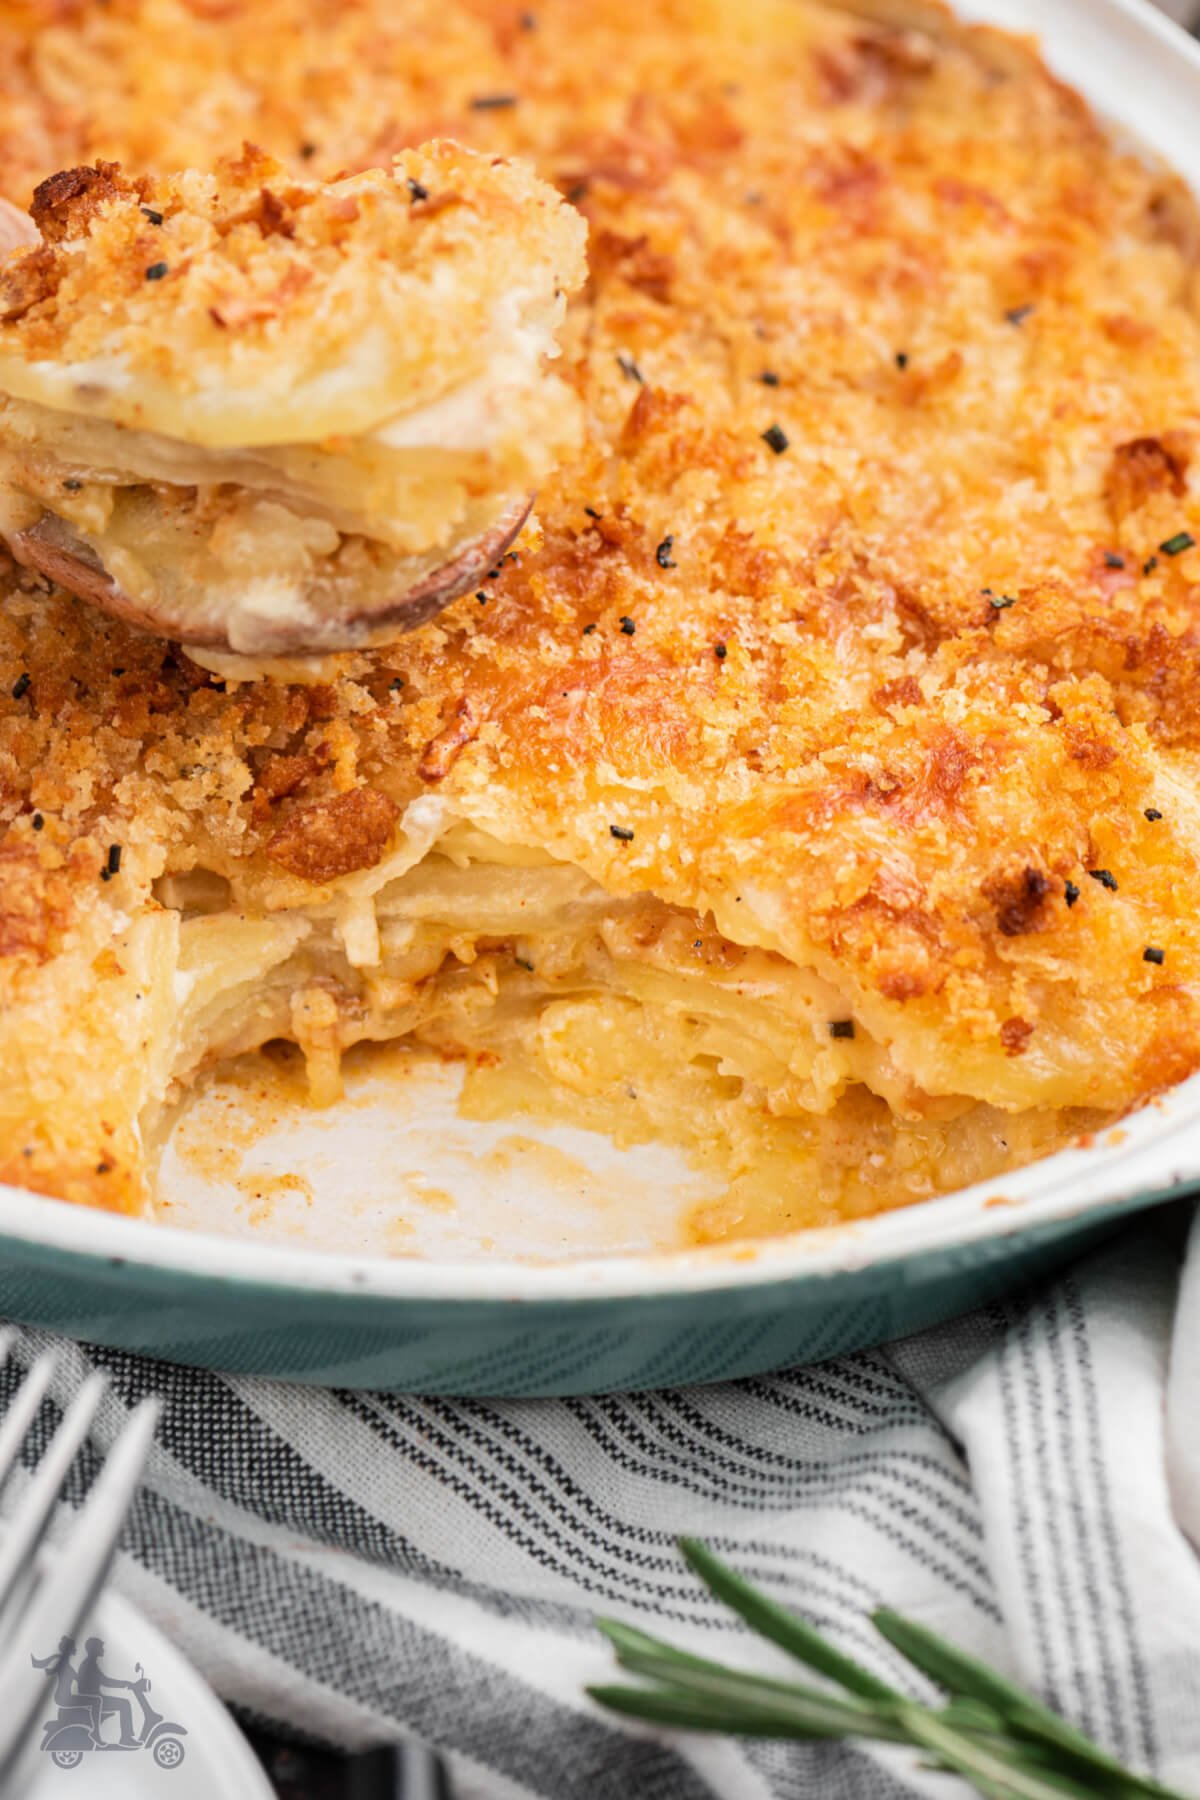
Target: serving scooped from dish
[814,785]
[264,415]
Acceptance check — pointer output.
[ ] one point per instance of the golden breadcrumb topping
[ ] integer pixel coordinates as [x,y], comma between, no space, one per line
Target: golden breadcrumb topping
[868,618]
[249,306]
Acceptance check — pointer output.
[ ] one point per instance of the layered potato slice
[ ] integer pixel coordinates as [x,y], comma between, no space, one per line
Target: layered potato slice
[262,414]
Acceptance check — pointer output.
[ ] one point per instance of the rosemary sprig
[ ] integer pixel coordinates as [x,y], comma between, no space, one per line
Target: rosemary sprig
[999,1738]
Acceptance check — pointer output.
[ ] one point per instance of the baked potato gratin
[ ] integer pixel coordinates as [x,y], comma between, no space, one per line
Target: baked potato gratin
[260,414]
[816,786]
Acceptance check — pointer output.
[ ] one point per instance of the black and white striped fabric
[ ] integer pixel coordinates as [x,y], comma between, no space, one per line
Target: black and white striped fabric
[356,1566]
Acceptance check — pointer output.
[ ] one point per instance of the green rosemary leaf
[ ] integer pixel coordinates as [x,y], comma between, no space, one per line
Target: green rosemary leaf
[627,1639]
[964,1675]
[781,1626]
[999,1738]
[731,1691]
[1022,1712]
[971,1715]
[697,1712]
[1001,1768]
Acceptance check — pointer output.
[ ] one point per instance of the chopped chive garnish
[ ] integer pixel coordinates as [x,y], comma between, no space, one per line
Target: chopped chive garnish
[1017,315]
[628,626]
[21,685]
[155,218]
[1112,561]
[629,368]
[492,102]
[777,438]
[1105,877]
[156,271]
[1152,954]
[1175,546]
[841,1028]
[662,555]
[622,833]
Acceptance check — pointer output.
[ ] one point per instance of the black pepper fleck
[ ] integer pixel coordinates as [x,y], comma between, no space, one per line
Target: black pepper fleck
[769,378]
[72,484]
[1112,561]
[841,1028]
[776,437]
[1152,954]
[902,359]
[155,218]
[523,964]
[720,652]
[1149,566]
[114,859]
[1152,813]
[37,821]
[482,597]
[308,151]
[592,513]
[588,629]
[21,685]
[156,271]
[1105,877]
[622,833]
[1017,315]
[1071,893]
[662,555]
[395,684]
[629,368]
[417,190]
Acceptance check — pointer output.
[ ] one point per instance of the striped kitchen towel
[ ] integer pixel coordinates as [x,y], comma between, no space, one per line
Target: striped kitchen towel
[355,1566]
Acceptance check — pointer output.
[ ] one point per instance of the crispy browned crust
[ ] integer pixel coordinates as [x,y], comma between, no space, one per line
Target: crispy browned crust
[195,286]
[891,694]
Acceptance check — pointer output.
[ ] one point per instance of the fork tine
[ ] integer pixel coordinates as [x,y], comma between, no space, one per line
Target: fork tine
[28,1525]
[65,1594]
[20,1414]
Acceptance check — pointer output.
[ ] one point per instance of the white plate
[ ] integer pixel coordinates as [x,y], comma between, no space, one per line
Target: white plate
[216,1764]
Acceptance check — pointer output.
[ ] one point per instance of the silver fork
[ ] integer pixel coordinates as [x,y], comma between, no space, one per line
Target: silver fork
[41,1605]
